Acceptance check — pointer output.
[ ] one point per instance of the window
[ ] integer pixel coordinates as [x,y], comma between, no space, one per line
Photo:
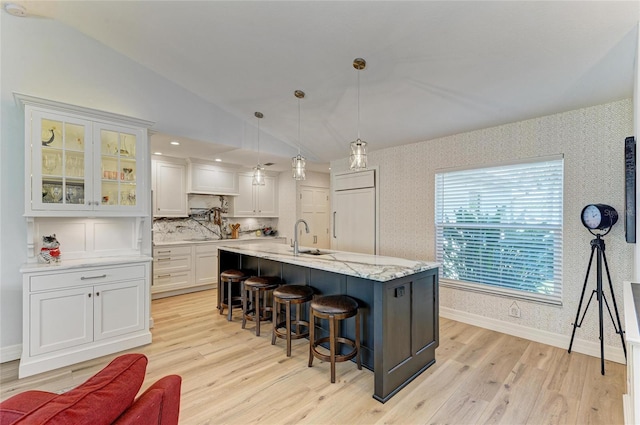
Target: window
[499,229]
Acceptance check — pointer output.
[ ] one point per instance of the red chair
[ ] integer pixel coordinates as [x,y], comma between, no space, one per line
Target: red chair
[108,397]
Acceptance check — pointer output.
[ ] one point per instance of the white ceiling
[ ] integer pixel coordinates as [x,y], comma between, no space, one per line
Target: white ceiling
[434,68]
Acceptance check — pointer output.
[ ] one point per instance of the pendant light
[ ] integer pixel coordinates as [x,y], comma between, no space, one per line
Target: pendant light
[258,170]
[358,157]
[298,162]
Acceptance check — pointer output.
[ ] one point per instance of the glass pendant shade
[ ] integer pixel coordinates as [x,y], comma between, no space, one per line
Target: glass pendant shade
[358,157]
[258,175]
[297,165]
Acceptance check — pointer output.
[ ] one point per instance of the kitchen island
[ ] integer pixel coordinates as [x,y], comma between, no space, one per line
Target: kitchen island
[398,300]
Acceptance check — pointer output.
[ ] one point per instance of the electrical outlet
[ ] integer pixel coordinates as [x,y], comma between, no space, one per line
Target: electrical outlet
[514,310]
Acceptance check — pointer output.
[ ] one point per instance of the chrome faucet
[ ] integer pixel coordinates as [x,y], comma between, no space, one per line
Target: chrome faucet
[295,234]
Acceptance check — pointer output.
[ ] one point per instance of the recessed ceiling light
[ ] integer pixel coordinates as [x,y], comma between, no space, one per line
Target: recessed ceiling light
[15,10]
[175,142]
[218,160]
[157,153]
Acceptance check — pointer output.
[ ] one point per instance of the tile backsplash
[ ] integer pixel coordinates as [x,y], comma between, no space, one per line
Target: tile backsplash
[197,227]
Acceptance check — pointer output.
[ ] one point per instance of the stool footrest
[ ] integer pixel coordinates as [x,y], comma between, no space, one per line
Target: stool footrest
[294,335]
[338,357]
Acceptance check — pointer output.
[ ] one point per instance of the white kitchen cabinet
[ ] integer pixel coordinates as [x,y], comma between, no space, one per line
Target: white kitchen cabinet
[80,161]
[206,264]
[256,201]
[172,268]
[210,179]
[354,212]
[75,315]
[169,183]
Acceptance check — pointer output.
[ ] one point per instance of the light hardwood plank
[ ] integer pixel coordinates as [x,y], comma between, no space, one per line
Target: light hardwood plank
[230,376]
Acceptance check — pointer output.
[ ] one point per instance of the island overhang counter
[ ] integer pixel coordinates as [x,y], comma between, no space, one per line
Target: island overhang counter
[398,300]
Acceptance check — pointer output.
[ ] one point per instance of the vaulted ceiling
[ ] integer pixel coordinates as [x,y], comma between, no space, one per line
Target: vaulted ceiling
[434,68]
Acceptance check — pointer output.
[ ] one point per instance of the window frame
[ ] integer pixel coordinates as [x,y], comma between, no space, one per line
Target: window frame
[555,230]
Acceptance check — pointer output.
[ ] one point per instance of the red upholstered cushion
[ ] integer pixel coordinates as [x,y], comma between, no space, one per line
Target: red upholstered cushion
[19,405]
[100,400]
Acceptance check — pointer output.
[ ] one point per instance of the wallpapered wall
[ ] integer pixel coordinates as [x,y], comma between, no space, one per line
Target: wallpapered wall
[592,141]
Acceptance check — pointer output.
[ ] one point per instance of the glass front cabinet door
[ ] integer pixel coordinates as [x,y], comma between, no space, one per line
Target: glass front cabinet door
[116,167]
[81,165]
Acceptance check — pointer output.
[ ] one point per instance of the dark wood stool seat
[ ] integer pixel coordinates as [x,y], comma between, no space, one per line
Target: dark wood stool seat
[257,287]
[288,295]
[229,279]
[334,308]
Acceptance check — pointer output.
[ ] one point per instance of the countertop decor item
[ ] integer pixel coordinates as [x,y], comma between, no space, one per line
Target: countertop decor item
[235,230]
[50,251]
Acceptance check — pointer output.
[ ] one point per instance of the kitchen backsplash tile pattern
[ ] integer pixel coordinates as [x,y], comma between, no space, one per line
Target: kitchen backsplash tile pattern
[182,229]
[592,142]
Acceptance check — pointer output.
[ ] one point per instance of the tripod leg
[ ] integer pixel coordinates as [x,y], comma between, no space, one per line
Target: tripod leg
[615,307]
[584,287]
[599,291]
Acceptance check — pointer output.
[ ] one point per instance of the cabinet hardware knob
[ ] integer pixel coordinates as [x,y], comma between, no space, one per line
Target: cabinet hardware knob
[97,294]
[89,295]
[102,276]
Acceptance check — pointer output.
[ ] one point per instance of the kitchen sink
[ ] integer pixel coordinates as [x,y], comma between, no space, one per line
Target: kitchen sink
[315,252]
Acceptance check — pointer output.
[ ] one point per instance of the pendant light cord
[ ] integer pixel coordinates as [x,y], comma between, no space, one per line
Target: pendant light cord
[258,141]
[358,104]
[299,142]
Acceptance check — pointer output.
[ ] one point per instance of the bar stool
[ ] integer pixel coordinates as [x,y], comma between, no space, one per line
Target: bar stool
[231,278]
[334,308]
[257,287]
[288,295]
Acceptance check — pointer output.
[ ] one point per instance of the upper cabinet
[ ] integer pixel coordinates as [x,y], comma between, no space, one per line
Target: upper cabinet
[210,179]
[78,162]
[256,201]
[169,183]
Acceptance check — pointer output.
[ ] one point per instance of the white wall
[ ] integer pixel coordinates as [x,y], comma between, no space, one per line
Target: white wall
[592,141]
[43,58]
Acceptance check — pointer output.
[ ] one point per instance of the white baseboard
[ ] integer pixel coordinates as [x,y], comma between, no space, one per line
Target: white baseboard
[614,354]
[10,353]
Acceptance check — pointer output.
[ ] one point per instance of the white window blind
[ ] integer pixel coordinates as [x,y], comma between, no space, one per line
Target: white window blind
[500,229]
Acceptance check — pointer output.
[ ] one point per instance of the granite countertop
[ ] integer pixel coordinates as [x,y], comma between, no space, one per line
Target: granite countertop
[373,267]
[84,262]
[207,240]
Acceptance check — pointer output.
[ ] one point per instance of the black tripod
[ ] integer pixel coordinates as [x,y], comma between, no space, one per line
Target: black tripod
[597,245]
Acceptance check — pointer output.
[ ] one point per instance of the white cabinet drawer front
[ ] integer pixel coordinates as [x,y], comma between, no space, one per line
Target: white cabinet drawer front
[89,276]
[170,281]
[163,252]
[171,264]
[207,248]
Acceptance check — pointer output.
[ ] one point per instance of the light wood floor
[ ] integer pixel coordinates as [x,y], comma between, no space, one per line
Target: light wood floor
[230,376]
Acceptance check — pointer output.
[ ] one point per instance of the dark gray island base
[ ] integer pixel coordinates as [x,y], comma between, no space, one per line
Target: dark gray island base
[398,301]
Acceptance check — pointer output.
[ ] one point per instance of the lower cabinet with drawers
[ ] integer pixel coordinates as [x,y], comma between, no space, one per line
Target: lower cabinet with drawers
[179,268]
[172,269]
[73,314]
